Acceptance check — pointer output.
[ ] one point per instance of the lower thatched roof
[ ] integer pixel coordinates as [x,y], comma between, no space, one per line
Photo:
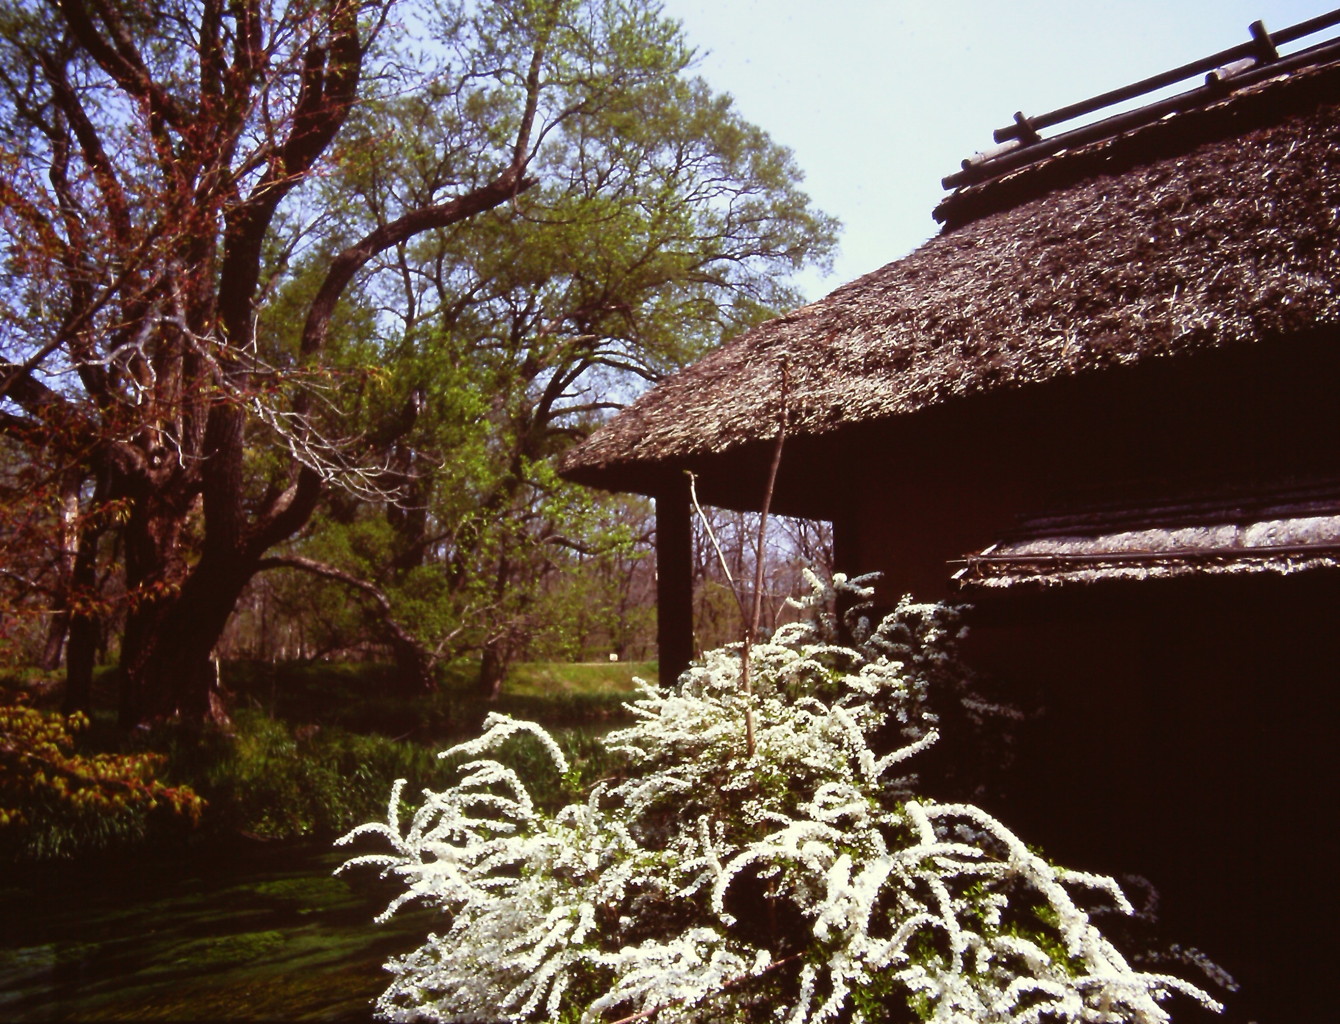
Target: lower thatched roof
[1217,228]
[1267,531]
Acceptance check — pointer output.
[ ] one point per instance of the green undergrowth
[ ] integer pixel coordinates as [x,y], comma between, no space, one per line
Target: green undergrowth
[314,749]
[271,781]
[368,698]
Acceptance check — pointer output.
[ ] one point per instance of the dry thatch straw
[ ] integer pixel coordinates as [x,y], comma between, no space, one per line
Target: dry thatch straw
[1217,227]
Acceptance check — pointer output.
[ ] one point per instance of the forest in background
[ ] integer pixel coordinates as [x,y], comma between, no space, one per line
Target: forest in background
[301,302]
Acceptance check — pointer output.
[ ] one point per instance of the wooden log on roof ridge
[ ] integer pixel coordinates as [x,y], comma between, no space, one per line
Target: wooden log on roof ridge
[1127,120]
[1266,50]
[1262,43]
[991,153]
[1225,72]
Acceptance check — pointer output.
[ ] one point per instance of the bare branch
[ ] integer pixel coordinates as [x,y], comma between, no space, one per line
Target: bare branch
[506,186]
[116,54]
[399,635]
[752,629]
[716,546]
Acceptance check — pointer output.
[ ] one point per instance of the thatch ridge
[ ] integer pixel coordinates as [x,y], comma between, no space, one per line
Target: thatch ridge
[1233,240]
[1280,529]
[1280,547]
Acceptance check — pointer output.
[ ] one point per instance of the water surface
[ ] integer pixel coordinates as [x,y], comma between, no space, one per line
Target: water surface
[254,931]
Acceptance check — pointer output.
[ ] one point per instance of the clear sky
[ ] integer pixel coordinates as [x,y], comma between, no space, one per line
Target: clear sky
[880,99]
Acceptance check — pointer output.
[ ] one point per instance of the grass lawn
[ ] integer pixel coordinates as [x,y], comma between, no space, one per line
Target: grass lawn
[540,678]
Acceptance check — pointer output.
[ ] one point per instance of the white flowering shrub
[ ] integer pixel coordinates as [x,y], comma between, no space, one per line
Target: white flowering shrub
[804,883]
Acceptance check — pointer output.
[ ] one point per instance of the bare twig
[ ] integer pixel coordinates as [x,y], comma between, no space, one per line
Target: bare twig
[716,546]
[751,629]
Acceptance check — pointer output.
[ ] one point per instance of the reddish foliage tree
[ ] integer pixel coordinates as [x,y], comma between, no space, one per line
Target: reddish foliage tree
[152,167]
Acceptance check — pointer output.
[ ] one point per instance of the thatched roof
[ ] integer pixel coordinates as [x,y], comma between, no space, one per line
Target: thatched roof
[1277,532]
[1213,228]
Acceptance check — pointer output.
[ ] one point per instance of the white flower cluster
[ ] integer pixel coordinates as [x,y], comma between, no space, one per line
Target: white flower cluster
[804,883]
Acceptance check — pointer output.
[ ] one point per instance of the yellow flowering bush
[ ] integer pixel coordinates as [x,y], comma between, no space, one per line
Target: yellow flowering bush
[43,776]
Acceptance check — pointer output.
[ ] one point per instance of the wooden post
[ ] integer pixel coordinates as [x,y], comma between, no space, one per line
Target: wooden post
[846,559]
[674,580]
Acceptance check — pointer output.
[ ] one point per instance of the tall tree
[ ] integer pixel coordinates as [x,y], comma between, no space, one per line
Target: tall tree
[660,222]
[159,173]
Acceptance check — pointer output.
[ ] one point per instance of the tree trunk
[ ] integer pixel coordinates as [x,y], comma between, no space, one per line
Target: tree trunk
[81,655]
[493,665]
[86,637]
[55,641]
[408,514]
[167,667]
[414,667]
[170,676]
[70,535]
[86,640]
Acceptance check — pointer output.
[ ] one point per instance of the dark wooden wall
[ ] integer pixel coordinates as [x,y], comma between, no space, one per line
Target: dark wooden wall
[1187,728]
[1188,733]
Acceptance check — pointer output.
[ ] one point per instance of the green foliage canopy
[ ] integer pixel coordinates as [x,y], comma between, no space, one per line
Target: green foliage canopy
[660,222]
[260,256]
